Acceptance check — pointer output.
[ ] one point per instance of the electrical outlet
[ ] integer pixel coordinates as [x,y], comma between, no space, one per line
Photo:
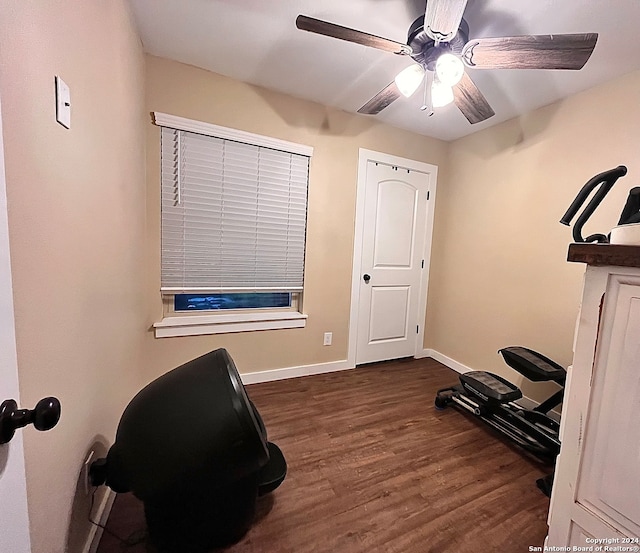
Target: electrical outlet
[328,338]
[85,472]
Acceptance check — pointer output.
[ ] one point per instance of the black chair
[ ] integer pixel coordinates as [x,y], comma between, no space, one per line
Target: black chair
[193,448]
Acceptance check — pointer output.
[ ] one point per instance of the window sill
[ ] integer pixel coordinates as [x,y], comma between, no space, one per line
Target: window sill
[222,323]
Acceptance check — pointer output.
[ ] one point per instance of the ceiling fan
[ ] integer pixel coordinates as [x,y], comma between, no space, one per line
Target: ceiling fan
[439,44]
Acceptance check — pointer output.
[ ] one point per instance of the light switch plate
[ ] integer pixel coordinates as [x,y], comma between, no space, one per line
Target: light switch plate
[63,103]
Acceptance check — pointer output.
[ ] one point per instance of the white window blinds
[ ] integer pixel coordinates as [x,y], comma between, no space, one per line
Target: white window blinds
[233,215]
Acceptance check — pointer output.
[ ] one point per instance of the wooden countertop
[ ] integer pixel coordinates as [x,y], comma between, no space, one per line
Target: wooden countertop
[605,254]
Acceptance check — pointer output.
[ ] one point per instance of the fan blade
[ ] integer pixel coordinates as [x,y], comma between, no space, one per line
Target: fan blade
[388,94]
[442,18]
[351,35]
[471,102]
[530,51]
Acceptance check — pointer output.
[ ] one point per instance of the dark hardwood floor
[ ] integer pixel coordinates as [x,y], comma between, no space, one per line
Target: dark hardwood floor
[373,467]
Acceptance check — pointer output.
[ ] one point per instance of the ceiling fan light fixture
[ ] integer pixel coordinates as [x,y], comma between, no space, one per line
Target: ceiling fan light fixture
[442,36]
[441,94]
[409,79]
[449,69]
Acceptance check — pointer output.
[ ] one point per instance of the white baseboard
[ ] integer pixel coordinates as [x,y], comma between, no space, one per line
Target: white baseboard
[333,366]
[448,361]
[101,515]
[295,372]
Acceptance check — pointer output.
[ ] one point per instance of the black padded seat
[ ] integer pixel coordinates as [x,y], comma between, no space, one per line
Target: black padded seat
[490,386]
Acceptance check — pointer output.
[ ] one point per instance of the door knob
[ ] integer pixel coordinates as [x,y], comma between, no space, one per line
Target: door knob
[44,416]
[366,278]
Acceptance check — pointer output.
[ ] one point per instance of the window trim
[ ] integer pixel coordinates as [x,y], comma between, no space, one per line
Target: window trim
[194,324]
[222,323]
[216,131]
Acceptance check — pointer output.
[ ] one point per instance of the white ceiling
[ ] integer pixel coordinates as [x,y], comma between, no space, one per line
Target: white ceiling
[256,41]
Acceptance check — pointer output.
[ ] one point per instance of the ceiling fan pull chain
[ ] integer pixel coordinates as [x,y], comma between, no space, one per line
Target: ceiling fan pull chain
[427,103]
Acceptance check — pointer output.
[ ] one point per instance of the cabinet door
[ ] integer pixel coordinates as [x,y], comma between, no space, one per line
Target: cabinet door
[609,479]
[597,478]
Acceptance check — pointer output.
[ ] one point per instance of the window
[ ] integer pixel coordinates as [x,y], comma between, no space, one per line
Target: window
[234,211]
[247,300]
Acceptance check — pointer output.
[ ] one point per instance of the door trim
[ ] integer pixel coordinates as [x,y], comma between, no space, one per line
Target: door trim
[364,157]
[14,524]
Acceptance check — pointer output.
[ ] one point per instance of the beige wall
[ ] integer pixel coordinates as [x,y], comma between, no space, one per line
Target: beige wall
[499,275]
[336,136]
[76,222]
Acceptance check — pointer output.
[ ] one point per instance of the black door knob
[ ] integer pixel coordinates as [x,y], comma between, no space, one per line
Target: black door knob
[366,278]
[44,416]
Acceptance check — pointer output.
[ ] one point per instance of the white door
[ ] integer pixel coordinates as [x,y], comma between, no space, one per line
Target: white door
[395,213]
[14,520]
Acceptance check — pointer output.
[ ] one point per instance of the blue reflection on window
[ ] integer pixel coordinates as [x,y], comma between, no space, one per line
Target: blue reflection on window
[250,300]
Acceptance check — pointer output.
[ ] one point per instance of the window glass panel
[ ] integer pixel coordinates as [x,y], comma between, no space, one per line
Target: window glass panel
[201,302]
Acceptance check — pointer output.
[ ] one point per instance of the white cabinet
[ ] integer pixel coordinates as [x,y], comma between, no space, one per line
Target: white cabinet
[596,493]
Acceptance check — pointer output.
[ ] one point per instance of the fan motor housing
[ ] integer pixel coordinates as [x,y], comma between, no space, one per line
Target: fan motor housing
[425,51]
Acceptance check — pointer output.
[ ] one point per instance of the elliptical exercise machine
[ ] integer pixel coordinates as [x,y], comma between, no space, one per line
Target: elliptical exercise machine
[492,398]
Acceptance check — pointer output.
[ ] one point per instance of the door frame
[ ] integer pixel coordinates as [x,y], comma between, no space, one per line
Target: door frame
[14,523]
[364,157]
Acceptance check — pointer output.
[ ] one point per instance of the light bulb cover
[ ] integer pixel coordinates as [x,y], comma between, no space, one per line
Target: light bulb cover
[409,79]
[441,94]
[449,69]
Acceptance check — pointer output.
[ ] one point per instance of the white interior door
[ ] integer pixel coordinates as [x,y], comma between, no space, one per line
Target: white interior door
[395,212]
[14,520]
